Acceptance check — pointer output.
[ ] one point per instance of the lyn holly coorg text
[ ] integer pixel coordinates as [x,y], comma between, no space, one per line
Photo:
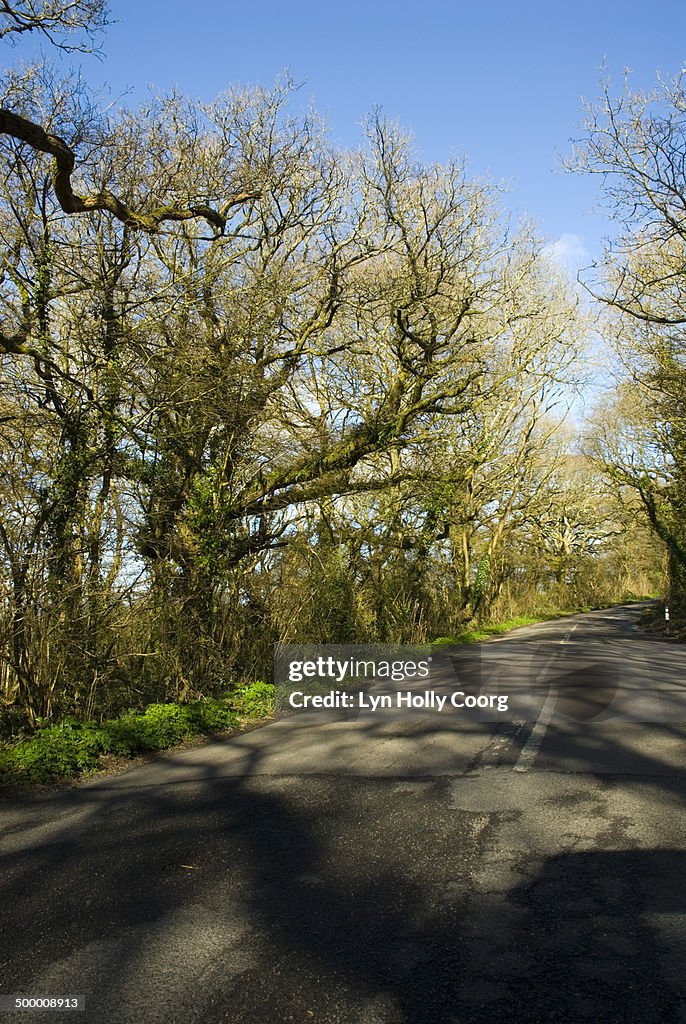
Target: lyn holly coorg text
[429,700]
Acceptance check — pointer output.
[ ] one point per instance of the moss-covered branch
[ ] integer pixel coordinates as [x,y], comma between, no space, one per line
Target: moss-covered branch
[64,162]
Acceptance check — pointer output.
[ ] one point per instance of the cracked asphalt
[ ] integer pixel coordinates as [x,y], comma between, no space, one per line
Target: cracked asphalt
[381,869]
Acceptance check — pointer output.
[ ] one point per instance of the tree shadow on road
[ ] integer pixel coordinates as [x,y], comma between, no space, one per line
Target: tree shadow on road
[336,899]
[262,899]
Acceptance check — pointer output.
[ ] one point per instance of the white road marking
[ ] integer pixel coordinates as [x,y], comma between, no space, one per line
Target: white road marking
[532,746]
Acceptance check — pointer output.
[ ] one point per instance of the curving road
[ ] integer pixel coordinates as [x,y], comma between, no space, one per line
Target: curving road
[382,868]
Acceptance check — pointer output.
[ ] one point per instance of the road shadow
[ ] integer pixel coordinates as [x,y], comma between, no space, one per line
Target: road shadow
[293,899]
[602,936]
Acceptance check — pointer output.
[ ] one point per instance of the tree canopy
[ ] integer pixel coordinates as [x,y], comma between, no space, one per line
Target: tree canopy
[256,388]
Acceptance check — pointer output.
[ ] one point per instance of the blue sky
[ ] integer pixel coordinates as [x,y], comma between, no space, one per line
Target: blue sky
[498,82]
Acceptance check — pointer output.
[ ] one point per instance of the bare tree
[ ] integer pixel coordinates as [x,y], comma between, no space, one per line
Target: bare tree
[73,25]
[637,143]
[69,25]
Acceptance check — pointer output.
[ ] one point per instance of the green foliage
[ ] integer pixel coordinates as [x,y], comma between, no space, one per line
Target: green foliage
[253,701]
[59,751]
[481,579]
[73,748]
[162,725]
[478,633]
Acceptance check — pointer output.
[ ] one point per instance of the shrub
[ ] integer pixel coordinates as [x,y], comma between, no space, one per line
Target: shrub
[211,715]
[255,700]
[72,747]
[55,752]
[163,725]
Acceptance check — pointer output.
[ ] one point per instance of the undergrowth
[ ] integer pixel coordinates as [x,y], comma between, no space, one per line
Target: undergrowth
[73,748]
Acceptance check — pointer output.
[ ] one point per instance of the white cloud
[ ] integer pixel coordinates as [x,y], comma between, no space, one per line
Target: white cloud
[569,252]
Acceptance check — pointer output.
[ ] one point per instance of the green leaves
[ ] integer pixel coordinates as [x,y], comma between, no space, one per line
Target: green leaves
[74,748]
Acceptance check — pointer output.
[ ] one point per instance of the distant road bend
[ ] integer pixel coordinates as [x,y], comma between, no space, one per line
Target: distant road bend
[416,869]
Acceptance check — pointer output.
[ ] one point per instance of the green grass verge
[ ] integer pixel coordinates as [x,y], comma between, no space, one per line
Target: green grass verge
[74,748]
[475,634]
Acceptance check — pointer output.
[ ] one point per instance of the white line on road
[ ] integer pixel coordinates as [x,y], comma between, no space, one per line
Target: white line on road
[532,746]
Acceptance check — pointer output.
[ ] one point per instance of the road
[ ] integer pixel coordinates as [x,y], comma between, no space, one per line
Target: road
[398,869]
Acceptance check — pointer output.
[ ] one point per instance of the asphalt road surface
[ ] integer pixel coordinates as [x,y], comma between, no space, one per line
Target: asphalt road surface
[382,868]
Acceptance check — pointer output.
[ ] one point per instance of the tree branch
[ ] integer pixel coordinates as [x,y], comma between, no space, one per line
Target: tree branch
[64,161]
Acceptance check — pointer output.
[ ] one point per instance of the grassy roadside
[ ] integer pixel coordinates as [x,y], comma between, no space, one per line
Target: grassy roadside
[476,634]
[72,748]
[653,621]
